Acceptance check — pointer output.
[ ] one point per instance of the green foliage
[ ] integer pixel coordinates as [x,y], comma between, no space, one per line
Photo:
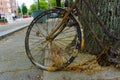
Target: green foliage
[33,7]
[24,9]
[52,3]
[43,4]
[19,10]
[29,12]
[62,4]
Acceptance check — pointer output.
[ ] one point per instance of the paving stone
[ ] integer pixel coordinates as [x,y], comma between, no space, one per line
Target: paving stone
[6,76]
[14,63]
[31,74]
[107,74]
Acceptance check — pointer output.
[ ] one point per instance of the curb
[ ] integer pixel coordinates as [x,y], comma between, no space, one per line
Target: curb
[9,32]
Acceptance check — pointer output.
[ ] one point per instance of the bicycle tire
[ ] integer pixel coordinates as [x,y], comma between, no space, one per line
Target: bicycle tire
[35,31]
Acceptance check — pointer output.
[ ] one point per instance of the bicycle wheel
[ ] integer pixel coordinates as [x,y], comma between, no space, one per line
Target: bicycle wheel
[61,51]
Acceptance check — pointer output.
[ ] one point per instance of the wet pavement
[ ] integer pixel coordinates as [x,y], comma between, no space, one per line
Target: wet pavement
[14,64]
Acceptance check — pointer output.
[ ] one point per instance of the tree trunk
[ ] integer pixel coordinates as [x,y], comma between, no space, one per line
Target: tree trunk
[68,3]
[58,2]
[108,11]
[38,5]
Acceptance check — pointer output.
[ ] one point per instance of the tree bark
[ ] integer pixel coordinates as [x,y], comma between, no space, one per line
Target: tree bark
[58,2]
[108,12]
[38,5]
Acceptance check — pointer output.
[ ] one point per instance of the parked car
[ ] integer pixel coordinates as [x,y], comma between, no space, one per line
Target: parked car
[53,15]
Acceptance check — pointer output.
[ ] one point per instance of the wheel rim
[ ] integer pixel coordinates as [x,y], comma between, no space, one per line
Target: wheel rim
[46,53]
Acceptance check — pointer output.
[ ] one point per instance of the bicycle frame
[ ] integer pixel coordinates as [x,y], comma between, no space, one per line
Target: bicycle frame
[59,26]
[48,38]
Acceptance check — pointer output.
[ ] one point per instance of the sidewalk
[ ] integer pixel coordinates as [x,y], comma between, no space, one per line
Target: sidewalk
[14,63]
[12,26]
[103,73]
[8,32]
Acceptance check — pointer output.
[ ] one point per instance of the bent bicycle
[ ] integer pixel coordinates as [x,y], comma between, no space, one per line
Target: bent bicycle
[58,35]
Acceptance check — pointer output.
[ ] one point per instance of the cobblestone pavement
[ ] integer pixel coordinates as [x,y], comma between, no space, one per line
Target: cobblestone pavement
[14,64]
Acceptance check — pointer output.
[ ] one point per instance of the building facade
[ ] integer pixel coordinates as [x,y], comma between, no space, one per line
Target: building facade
[7,8]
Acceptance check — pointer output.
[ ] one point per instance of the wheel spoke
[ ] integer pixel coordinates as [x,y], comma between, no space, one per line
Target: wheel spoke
[40,49]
